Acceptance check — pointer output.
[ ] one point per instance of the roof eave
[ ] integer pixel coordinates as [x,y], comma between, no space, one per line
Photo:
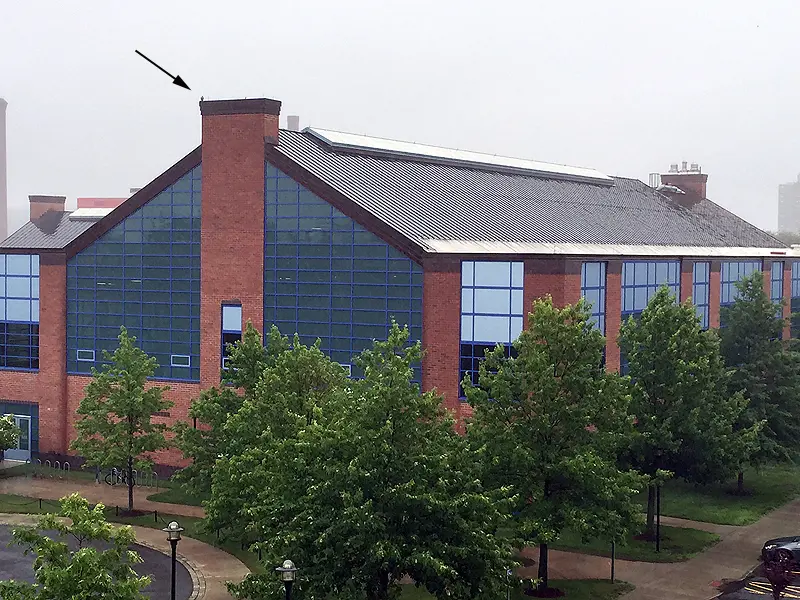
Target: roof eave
[468,247]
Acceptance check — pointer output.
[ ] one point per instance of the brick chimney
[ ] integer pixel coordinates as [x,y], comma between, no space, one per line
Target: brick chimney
[43,204]
[235,133]
[688,178]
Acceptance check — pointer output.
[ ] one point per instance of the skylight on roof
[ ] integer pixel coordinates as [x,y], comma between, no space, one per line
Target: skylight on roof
[351,142]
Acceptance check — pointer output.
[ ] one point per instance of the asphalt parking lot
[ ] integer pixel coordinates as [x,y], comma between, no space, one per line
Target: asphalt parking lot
[15,565]
[757,587]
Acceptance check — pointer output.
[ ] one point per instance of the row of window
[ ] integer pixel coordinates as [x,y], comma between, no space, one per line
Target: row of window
[326,277]
[144,273]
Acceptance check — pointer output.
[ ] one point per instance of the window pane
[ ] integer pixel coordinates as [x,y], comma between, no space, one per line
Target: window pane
[492,301]
[492,329]
[466,300]
[466,329]
[493,274]
[18,264]
[517,274]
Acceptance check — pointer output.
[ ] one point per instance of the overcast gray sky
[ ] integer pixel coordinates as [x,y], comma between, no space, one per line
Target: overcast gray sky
[620,85]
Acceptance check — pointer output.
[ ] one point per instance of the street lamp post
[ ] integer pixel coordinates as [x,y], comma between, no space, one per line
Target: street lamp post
[287,571]
[173,531]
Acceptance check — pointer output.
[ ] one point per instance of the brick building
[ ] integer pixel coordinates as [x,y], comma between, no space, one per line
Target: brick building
[332,235]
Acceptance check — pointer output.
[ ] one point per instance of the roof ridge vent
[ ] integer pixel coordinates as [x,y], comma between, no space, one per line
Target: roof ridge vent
[674,189]
[381,147]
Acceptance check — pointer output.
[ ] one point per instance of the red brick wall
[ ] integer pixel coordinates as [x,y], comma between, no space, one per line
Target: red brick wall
[51,384]
[558,277]
[714,295]
[613,313]
[687,279]
[232,240]
[441,330]
[181,394]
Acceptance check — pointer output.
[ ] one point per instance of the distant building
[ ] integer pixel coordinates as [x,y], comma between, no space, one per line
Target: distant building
[100,202]
[789,206]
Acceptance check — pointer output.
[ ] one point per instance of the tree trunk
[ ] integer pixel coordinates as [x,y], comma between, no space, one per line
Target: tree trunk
[378,589]
[650,528]
[542,575]
[740,482]
[130,484]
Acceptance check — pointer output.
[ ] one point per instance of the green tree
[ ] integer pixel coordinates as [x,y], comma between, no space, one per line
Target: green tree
[550,423]
[767,371]
[9,433]
[294,381]
[84,573]
[370,485]
[205,440]
[685,415]
[115,423]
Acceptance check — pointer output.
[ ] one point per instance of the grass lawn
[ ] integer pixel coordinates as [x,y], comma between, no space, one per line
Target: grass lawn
[575,589]
[768,489]
[677,544]
[176,495]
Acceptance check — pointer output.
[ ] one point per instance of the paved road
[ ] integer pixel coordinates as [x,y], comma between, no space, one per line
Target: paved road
[15,565]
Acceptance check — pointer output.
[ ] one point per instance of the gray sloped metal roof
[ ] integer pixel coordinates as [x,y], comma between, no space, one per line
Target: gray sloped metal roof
[427,202]
[52,231]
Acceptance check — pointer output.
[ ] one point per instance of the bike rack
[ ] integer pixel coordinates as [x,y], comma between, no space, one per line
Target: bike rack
[66,469]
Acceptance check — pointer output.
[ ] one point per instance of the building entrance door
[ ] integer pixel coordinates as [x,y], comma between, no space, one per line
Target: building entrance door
[22,451]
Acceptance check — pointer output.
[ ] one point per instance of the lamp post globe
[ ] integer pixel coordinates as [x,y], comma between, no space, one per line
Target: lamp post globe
[288,574]
[173,531]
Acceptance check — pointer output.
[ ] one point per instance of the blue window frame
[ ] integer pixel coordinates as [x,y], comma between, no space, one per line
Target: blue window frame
[144,273]
[231,328]
[795,300]
[776,281]
[491,311]
[640,281]
[326,277]
[19,311]
[731,272]
[701,291]
[593,290]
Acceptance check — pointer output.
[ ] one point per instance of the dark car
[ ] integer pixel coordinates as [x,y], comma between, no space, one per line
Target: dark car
[785,548]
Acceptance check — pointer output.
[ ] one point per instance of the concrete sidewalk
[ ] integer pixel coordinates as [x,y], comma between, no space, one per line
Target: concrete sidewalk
[732,558]
[736,553]
[54,489]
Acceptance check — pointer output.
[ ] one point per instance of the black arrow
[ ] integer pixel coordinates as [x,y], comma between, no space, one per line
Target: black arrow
[176,79]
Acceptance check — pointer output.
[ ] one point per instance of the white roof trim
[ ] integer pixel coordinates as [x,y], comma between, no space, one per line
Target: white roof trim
[449,156]
[473,247]
[89,214]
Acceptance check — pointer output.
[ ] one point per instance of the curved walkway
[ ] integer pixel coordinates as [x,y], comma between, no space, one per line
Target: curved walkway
[210,567]
[695,579]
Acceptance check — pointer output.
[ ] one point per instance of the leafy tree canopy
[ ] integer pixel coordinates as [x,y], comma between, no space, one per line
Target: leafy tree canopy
[115,418]
[685,414]
[767,371]
[550,424]
[360,482]
[86,572]
[204,440]
[9,432]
